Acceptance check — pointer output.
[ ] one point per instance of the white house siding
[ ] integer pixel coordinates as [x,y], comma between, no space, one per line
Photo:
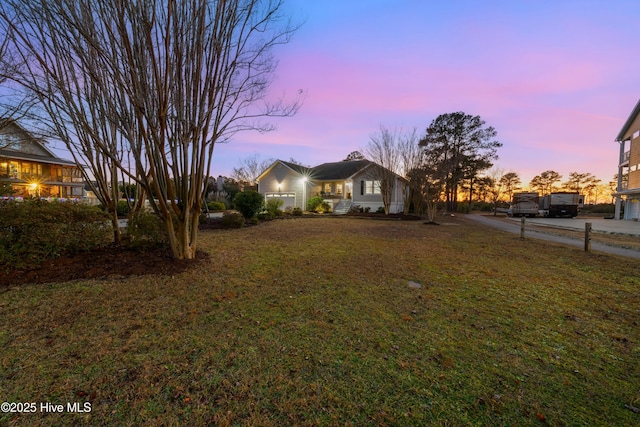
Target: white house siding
[374,201]
[282,182]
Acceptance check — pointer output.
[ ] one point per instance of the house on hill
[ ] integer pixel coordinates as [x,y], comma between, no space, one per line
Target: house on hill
[32,170]
[628,188]
[341,184]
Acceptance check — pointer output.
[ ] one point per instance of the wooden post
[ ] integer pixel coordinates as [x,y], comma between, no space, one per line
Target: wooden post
[587,237]
[522,228]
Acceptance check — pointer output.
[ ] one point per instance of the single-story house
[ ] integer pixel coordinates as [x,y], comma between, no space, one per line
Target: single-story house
[32,170]
[628,188]
[341,184]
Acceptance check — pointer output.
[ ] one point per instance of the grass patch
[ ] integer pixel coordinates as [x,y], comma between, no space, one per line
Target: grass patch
[312,322]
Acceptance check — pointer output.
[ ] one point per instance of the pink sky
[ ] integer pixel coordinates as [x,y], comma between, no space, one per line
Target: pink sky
[556,79]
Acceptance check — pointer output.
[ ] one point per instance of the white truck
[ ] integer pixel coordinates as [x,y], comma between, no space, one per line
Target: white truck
[524,204]
[563,204]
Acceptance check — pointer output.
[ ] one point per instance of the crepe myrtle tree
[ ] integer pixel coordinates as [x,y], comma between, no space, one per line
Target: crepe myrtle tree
[383,151]
[170,78]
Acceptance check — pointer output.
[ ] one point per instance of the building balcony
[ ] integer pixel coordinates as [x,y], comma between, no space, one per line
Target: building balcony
[625,158]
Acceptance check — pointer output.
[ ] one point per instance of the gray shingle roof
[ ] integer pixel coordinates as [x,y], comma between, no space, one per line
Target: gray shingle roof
[338,170]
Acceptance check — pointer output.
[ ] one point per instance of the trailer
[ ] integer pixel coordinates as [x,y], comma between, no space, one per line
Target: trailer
[524,204]
[562,204]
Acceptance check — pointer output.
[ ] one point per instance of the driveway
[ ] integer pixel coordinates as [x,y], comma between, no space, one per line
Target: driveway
[602,225]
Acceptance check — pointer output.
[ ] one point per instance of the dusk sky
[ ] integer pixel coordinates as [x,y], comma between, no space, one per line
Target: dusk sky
[556,78]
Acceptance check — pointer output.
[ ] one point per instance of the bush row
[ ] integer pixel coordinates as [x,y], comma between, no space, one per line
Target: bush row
[35,230]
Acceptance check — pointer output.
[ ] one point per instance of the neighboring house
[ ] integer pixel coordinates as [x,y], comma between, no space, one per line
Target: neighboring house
[341,184]
[628,188]
[32,170]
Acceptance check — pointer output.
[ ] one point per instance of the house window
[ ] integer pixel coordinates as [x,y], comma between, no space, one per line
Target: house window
[636,134]
[339,189]
[327,188]
[369,187]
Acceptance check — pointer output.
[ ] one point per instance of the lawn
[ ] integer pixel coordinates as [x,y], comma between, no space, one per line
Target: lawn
[320,321]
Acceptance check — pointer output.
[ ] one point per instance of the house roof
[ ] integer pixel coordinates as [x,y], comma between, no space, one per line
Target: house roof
[338,170]
[11,127]
[629,122]
[302,170]
[334,171]
[19,155]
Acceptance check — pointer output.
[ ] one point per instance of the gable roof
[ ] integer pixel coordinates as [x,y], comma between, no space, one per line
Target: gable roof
[299,169]
[29,147]
[333,171]
[338,170]
[629,122]
[302,170]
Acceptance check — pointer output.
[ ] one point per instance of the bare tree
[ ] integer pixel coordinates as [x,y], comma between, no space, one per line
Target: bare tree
[13,106]
[384,152]
[175,78]
[411,158]
[250,168]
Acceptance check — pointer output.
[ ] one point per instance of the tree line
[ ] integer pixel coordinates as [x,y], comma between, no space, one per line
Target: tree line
[453,160]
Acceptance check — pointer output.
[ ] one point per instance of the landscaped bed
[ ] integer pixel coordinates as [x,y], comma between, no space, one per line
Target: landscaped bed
[329,322]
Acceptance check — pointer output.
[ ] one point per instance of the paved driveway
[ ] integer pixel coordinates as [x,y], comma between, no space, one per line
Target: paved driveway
[603,225]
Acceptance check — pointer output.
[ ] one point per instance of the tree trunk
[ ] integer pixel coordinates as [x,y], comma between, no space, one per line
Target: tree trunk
[117,233]
[183,234]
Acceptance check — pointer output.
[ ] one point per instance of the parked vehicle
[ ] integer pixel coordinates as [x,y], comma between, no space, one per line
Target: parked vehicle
[524,204]
[564,204]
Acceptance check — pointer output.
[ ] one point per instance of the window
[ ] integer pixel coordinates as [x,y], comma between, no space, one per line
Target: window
[327,188]
[369,187]
[636,134]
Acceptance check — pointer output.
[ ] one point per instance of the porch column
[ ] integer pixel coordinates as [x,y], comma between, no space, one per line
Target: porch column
[616,214]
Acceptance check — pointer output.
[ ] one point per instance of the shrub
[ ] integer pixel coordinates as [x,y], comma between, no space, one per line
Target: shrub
[35,230]
[380,210]
[296,211]
[314,203]
[317,204]
[123,208]
[248,203]
[233,219]
[216,206]
[273,207]
[145,229]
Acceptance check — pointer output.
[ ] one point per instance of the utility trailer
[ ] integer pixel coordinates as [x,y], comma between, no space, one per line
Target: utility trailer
[563,204]
[524,204]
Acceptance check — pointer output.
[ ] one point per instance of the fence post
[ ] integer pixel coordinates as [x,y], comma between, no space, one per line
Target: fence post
[587,237]
[522,228]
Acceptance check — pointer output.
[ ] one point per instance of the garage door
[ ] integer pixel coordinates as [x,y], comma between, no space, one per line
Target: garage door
[288,199]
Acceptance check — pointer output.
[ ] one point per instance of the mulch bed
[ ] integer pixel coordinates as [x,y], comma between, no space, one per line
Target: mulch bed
[112,261]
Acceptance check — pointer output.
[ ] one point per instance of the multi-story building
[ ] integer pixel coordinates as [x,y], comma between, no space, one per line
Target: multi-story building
[628,189]
[32,170]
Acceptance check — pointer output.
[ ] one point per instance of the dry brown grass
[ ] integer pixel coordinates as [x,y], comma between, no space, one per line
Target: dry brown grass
[312,322]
